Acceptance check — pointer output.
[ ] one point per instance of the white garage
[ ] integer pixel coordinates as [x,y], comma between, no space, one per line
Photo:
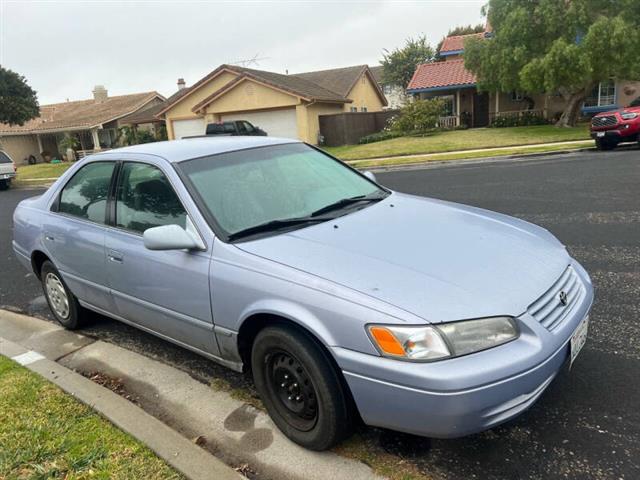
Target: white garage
[277,123]
[188,128]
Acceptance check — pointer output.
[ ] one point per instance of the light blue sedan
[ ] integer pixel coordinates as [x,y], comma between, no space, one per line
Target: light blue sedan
[343,298]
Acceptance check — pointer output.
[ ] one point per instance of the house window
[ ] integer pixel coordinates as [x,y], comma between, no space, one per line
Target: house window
[354,109]
[386,89]
[449,104]
[602,95]
[363,109]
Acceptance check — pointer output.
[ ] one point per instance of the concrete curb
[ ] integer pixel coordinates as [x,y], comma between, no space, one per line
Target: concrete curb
[232,430]
[182,454]
[472,161]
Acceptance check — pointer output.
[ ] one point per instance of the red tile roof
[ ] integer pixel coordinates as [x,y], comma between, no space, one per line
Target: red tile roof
[441,74]
[455,43]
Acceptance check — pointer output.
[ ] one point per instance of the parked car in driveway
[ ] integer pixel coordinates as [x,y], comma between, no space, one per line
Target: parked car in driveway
[235,127]
[609,129]
[344,299]
[7,170]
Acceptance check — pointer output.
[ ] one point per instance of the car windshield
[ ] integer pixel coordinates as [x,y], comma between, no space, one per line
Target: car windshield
[271,189]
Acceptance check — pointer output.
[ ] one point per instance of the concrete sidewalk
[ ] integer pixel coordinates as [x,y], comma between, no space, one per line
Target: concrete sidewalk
[176,408]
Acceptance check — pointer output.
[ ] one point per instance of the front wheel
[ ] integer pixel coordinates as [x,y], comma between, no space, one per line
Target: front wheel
[300,388]
[62,302]
[605,145]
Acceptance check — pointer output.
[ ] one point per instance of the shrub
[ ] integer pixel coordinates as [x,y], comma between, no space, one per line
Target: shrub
[524,120]
[418,116]
[380,136]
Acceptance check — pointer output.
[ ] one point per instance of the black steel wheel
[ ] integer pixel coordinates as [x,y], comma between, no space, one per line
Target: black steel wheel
[300,387]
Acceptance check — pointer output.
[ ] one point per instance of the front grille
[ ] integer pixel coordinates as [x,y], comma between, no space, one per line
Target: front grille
[548,309]
[606,121]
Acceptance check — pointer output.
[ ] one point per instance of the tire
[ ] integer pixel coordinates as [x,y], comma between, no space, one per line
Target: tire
[58,296]
[605,145]
[4,184]
[300,388]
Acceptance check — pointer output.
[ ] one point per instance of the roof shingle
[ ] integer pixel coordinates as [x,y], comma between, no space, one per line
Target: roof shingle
[441,74]
[81,114]
[455,43]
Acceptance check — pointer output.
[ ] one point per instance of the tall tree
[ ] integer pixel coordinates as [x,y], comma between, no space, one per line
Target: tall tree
[400,64]
[557,46]
[461,30]
[18,101]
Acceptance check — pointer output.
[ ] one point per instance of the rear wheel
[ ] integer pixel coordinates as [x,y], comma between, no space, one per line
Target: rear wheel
[63,304]
[4,184]
[300,388]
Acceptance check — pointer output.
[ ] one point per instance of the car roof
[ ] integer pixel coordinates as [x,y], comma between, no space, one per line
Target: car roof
[179,150]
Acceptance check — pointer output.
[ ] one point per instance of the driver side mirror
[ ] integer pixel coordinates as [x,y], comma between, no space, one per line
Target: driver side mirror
[170,237]
[370,175]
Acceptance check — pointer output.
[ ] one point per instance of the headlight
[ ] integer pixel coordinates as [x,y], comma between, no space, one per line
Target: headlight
[427,343]
[628,115]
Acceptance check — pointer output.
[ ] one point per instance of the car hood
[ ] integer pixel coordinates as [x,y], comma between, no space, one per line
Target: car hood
[438,260]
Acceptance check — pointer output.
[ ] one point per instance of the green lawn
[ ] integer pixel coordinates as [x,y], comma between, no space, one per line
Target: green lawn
[41,170]
[46,434]
[461,140]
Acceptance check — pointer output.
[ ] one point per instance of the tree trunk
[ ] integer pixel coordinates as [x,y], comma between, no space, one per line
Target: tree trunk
[569,116]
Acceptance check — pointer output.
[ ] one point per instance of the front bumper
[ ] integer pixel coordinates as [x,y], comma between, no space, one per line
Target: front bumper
[619,134]
[460,396]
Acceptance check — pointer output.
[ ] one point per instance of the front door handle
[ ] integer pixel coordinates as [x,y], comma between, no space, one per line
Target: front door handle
[49,237]
[115,256]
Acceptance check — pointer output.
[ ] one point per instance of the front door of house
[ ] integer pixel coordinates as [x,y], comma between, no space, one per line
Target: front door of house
[480,110]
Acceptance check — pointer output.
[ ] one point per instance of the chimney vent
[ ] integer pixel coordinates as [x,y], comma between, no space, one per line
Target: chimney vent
[181,84]
[100,93]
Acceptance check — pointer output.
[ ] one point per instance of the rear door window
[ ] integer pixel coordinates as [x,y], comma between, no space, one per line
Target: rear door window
[145,199]
[4,158]
[85,195]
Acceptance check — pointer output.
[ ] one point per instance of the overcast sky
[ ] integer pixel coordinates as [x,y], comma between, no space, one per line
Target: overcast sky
[64,48]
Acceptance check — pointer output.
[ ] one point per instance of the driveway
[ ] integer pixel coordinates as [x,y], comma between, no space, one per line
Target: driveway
[587,424]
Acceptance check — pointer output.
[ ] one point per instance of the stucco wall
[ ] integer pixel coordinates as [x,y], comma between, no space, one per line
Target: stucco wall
[19,147]
[182,109]
[364,94]
[249,95]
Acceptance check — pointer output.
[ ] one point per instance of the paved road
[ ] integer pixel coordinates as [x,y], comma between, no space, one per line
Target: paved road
[587,424]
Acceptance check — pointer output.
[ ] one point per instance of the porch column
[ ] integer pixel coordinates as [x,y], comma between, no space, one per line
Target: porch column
[497,103]
[95,138]
[457,108]
[40,149]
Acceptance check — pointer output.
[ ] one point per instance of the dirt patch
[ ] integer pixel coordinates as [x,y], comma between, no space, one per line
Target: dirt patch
[114,384]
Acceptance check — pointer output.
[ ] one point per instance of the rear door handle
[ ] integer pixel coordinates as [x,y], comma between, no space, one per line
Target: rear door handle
[115,256]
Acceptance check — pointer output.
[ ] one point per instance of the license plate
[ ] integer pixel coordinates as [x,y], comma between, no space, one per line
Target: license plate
[578,339]
[600,134]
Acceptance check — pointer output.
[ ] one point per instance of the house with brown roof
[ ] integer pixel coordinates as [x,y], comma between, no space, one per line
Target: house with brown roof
[281,104]
[93,122]
[448,79]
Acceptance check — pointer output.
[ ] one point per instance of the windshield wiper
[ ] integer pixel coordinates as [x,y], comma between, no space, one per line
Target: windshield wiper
[275,225]
[348,201]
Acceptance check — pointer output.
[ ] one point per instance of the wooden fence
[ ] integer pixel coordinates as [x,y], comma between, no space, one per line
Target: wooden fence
[349,127]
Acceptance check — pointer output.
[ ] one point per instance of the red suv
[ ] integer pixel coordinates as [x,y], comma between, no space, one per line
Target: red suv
[609,129]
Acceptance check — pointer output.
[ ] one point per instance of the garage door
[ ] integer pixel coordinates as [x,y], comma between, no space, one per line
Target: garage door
[277,123]
[188,128]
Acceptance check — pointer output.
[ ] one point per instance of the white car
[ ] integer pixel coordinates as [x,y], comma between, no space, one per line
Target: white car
[7,170]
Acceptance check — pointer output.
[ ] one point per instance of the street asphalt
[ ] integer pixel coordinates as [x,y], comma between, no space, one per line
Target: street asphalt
[587,423]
